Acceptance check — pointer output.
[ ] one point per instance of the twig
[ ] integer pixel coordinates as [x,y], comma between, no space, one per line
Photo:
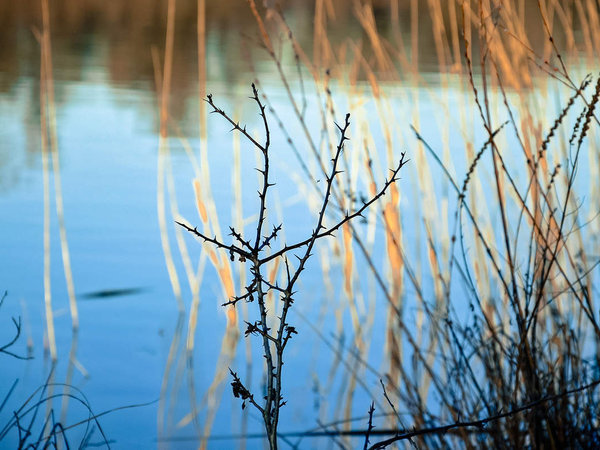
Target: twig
[370,427]
[276,338]
[478,423]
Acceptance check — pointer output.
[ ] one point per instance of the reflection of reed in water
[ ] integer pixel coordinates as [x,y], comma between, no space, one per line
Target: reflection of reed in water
[50,149]
[482,52]
[399,28]
[502,64]
[184,362]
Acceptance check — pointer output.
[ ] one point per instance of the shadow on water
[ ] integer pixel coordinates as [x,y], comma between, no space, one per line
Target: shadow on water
[104,294]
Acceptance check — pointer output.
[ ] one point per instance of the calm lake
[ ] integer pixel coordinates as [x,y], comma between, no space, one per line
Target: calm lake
[90,216]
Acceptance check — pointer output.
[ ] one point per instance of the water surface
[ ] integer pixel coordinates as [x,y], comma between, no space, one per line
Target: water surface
[130,347]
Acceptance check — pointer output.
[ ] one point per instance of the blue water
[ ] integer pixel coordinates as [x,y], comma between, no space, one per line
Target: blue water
[108,147]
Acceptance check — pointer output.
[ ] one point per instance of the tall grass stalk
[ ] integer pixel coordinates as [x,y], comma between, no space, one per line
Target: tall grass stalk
[528,278]
[491,320]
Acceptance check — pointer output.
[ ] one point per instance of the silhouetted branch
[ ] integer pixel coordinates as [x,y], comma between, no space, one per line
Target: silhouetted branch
[231,248]
[17,324]
[347,218]
[480,424]
[370,427]
[275,342]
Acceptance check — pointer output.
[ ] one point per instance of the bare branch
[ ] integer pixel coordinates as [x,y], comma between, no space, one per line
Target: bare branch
[235,125]
[231,248]
[479,423]
[347,218]
[370,426]
[274,342]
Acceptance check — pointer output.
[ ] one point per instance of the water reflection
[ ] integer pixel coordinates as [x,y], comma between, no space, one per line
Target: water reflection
[171,337]
[118,36]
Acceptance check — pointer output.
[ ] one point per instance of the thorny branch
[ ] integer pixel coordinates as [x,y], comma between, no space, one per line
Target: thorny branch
[276,338]
[231,248]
